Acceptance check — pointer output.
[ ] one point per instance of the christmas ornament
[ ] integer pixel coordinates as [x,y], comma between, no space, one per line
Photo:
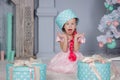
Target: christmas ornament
[111,45]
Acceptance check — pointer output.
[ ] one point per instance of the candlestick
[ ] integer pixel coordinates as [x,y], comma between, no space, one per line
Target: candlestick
[12,54]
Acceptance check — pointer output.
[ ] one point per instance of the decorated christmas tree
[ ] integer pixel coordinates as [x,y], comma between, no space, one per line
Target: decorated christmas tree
[109,24]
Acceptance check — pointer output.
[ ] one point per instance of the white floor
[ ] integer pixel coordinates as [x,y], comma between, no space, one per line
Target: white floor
[3,70]
[53,75]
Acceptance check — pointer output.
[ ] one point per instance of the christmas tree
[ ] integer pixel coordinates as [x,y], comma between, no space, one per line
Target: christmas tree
[109,24]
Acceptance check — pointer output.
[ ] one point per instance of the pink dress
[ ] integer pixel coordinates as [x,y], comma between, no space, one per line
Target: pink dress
[61,64]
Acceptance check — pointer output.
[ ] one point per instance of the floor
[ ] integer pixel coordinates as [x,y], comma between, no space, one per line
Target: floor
[54,76]
[2,70]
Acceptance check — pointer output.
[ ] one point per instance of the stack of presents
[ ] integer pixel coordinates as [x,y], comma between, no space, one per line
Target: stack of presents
[26,70]
[94,68]
[90,68]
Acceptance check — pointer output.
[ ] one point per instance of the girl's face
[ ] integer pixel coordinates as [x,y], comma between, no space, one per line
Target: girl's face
[70,26]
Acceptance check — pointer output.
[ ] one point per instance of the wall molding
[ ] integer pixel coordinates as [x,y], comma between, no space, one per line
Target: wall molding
[46,12]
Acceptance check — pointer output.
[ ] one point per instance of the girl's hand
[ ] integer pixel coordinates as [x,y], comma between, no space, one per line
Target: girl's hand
[78,35]
[64,42]
[80,38]
[62,35]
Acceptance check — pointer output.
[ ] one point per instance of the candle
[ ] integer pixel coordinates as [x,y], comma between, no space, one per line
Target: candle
[9,35]
[2,55]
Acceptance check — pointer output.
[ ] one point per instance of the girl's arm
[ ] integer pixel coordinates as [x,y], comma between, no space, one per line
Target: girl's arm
[76,42]
[64,43]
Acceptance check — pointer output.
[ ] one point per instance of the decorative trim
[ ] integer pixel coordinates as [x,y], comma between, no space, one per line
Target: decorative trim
[46,12]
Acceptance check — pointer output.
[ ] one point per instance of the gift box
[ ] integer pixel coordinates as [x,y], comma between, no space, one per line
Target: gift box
[94,71]
[36,72]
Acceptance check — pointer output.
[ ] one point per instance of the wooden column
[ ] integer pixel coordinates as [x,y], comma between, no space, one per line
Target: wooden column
[24,28]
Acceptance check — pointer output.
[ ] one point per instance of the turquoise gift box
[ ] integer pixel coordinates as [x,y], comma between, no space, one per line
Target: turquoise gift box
[24,72]
[86,73]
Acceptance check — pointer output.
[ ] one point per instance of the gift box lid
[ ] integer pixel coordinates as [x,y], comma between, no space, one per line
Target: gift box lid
[26,68]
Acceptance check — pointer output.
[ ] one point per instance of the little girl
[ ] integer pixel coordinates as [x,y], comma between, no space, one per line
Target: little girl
[70,41]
